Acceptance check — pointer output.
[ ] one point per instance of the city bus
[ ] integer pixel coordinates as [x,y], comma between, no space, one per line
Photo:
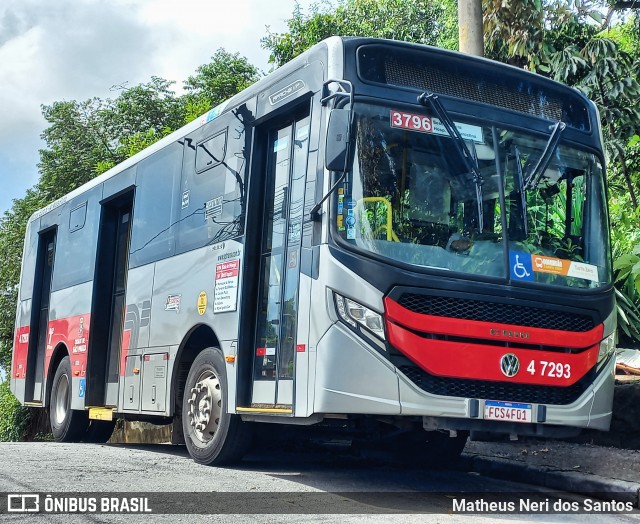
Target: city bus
[383,237]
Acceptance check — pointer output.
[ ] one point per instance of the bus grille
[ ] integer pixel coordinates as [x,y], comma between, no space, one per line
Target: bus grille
[511,314]
[421,76]
[509,391]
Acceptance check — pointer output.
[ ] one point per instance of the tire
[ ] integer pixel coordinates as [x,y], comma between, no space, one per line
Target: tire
[431,449]
[99,431]
[213,436]
[67,425]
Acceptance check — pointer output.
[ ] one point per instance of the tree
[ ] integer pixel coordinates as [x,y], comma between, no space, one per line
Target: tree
[220,79]
[431,22]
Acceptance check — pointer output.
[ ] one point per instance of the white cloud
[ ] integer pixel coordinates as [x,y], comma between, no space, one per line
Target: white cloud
[76,49]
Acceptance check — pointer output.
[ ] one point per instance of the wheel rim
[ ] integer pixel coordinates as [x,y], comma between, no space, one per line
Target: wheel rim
[62,399]
[205,406]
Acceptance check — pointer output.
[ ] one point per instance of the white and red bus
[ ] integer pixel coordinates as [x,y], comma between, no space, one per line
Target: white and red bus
[381,235]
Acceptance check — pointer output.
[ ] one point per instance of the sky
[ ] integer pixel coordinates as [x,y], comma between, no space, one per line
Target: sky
[54,50]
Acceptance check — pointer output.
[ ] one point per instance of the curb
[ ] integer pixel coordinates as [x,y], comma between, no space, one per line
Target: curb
[571,481]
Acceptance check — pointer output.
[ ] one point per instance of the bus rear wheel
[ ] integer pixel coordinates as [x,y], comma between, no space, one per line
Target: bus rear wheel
[212,436]
[67,425]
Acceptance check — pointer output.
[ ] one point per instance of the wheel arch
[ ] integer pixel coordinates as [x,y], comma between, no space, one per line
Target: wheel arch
[198,338]
[58,354]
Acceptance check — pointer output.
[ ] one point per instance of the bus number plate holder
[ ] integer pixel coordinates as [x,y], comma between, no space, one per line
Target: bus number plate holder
[508,411]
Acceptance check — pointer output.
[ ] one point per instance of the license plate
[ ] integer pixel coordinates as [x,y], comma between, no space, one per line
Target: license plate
[507,411]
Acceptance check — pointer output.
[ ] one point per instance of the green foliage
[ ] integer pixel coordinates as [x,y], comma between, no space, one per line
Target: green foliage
[430,22]
[515,33]
[628,318]
[220,79]
[14,418]
[151,107]
[627,271]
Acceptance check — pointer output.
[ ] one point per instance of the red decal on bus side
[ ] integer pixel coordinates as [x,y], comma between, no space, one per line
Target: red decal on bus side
[301,348]
[73,332]
[20,351]
[124,349]
[261,352]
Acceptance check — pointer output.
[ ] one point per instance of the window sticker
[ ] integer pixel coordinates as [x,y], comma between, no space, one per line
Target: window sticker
[555,266]
[582,270]
[281,144]
[522,266]
[427,124]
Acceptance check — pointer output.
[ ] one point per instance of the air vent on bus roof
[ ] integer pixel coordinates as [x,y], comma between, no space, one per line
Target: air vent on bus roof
[472,80]
[461,86]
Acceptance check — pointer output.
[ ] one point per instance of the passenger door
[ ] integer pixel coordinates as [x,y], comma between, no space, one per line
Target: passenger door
[277,316]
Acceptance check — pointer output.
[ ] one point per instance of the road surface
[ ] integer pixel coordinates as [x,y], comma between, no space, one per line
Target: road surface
[308,484]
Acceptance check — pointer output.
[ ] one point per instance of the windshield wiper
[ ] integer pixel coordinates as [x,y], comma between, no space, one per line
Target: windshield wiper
[523,193]
[543,162]
[470,161]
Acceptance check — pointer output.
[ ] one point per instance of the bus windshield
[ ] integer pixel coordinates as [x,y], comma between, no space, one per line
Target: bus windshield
[411,197]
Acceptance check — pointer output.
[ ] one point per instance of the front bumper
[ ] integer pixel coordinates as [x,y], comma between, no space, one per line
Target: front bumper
[353,378]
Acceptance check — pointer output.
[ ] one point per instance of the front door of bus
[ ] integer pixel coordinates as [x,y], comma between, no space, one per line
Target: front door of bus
[277,319]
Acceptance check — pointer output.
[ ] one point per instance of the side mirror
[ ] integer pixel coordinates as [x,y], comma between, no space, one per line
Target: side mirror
[335,151]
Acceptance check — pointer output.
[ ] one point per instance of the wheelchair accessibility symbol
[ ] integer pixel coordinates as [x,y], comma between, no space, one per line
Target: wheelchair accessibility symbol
[519,270]
[520,265]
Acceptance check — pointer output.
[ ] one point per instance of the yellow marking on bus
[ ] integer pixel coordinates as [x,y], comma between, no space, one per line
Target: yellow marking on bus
[101,413]
[265,410]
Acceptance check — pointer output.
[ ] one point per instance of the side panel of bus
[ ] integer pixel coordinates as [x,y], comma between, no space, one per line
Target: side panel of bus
[55,298]
[187,217]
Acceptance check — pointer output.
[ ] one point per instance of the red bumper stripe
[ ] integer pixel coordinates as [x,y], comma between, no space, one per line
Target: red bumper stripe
[482,362]
[490,330]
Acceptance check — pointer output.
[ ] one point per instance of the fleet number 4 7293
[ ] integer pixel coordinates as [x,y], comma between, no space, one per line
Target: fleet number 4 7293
[550,369]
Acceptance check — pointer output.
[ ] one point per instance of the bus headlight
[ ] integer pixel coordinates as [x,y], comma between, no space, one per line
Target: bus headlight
[357,315]
[607,347]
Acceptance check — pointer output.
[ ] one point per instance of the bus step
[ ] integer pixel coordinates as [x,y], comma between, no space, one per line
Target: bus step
[267,408]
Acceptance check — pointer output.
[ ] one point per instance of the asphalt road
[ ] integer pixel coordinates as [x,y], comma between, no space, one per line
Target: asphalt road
[319,486]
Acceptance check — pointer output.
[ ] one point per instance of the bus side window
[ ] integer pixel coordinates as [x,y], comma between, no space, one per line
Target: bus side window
[77,241]
[212,188]
[211,152]
[77,217]
[154,209]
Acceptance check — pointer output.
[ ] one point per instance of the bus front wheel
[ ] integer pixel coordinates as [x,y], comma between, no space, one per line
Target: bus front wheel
[67,425]
[212,436]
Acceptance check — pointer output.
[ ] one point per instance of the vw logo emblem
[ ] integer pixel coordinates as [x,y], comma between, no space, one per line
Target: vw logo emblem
[509,365]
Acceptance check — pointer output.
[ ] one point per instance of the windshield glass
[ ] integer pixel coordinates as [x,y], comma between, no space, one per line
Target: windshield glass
[412,198]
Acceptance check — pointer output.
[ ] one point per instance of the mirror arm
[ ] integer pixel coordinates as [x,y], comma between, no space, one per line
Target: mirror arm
[314,213]
[345,89]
